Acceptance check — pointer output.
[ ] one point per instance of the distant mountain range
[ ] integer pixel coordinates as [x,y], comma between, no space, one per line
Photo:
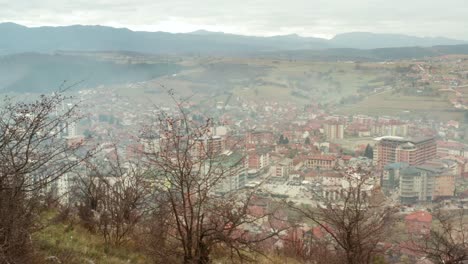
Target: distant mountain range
[15,38]
[365,40]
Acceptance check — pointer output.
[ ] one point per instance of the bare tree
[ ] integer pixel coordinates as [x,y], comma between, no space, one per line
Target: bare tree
[355,222]
[33,154]
[198,193]
[308,248]
[87,194]
[113,195]
[447,241]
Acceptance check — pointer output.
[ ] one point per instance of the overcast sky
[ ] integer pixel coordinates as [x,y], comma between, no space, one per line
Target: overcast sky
[321,18]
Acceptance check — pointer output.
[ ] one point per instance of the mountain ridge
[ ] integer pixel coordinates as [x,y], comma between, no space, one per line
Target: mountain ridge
[369,40]
[47,39]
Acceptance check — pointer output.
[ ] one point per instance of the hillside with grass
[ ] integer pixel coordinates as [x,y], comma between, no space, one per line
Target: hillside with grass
[63,239]
[216,79]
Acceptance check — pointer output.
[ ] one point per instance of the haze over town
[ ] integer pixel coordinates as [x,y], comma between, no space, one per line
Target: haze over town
[225,132]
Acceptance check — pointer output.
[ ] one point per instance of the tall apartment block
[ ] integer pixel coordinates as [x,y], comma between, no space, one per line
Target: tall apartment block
[413,151]
[333,130]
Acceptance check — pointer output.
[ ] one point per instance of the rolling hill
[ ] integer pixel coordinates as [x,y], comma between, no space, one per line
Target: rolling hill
[381,54]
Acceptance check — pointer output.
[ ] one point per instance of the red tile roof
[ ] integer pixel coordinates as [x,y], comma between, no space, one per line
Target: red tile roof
[256,211]
[346,157]
[420,216]
[321,157]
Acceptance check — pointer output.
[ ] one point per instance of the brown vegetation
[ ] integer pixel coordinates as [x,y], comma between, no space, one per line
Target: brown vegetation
[33,154]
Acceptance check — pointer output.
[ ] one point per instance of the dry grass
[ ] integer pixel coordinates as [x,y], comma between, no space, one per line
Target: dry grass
[397,104]
[72,244]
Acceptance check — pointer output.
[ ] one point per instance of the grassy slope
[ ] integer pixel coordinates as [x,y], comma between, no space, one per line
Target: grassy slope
[395,104]
[209,80]
[257,80]
[73,244]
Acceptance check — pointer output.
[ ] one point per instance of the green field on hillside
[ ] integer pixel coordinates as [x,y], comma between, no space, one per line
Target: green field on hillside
[400,105]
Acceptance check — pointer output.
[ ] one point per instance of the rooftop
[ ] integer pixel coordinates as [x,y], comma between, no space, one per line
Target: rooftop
[420,216]
[415,140]
[397,165]
[322,157]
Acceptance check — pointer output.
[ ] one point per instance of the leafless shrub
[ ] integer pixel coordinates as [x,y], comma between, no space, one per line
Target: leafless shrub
[33,154]
[354,223]
[447,242]
[199,207]
[112,197]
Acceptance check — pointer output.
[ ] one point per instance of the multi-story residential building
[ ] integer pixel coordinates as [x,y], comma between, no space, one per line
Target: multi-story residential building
[61,188]
[72,130]
[334,185]
[260,137]
[447,165]
[391,176]
[444,186]
[451,148]
[234,172]
[426,183]
[416,185]
[208,146]
[322,162]
[462,164]
[358,130]
[331,187]
[396,149]
[258,159]
[337,118]
[363,120]
[282,168]
[333,130]
[390,129]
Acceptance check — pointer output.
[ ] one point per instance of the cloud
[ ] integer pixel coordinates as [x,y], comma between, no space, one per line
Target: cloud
[253,17]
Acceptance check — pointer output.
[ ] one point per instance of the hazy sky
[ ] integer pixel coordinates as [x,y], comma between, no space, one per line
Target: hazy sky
[322,18]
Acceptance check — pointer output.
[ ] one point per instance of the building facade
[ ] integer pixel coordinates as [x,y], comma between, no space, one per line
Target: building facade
[234,172]
[283,168]
[258,160]
[416,185]
[208,146]
[260,137]
[391,176]
[396,149]
[323,162]
[333,130]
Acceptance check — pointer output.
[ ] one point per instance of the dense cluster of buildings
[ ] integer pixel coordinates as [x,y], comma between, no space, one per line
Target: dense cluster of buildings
[413,168]
[297,150]
[286,151]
